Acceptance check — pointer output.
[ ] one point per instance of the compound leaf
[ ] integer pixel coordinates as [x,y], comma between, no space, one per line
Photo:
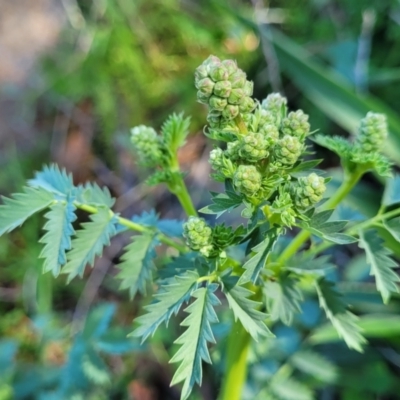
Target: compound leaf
[245,309]
[391,194]
[57,239]
[89,242]
[194,340]
[18,208]
[256,263]
[381,264]
[393,226]
[174,131]
[137,263]
[92,193]
[343,321]
[222,202]
[168,301]
[283,298]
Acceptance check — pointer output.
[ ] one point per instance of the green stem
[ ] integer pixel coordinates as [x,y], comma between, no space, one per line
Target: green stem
[135,227]
[348,184]
[184,198]
[236,363]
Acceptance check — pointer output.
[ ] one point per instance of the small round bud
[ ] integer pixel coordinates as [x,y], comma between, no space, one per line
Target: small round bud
[274,102]
[147,145]
[309,190]
[203,70]
[248,88]
[216,158]
[232,150]
[238,79]
[230,111]
[373,132]
[236,96]
[218,72]
[202,98]
[247,180]
[296,124]
[217,103]
[266,117]
[288,150]
[205,86]
[247,105]
[271,133]
[222,88]
[197,233]
[230,65]
[253,147]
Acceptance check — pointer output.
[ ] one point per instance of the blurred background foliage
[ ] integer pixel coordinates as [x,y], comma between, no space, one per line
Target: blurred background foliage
[77,74]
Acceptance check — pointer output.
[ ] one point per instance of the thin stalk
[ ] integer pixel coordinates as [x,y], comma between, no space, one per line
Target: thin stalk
[236,362]
[135,227]
[339,195]
[184,198]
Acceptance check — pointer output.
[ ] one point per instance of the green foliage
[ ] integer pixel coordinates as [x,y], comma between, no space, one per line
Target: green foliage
[381,264]
[57,239]
[137,264]
[89,242]
[343,321]
[17,209]
[194,340]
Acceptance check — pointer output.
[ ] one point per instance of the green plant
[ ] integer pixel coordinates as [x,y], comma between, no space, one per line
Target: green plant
[260,157]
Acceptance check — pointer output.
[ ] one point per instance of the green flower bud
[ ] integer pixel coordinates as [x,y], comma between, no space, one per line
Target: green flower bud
[296,124]
[232,150]
[309,190]
[238,79]
[253,147]
[248,88]
[203,70]
[217,103]
[202,98]
[288,150]
[247,105]
[218,72]
[236,96]
[230,111]
[205,86]
[283,206]
[373,132]
[230,65]
[216,158]
[222,88]
[274,102]
[271,133]
[197,233]
[247,180]
[266,117]
[147,145]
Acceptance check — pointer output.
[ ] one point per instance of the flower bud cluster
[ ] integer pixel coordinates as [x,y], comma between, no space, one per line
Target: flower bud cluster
[224,87]
[247,180]
[372,133]
[198,235]
[296,124]
[147,145]
[309,191]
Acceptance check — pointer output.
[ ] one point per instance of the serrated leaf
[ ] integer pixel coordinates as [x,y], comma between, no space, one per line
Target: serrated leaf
[381,264]
[170,227]
[137,263]
[89,242]
[194,340]
[339,145]
[245,309]
[95,369]
[304,168]
[256,263]
[391,194]
[315,365]
[53,179]
[175,130]
[304,264]
[283,298]
[393,226]
[17,209]
[343,321]
[57,239]
[167,302]
[91,193]
[222,203]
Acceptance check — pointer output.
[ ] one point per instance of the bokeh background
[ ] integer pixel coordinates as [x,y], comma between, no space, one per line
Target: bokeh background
[76,75]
